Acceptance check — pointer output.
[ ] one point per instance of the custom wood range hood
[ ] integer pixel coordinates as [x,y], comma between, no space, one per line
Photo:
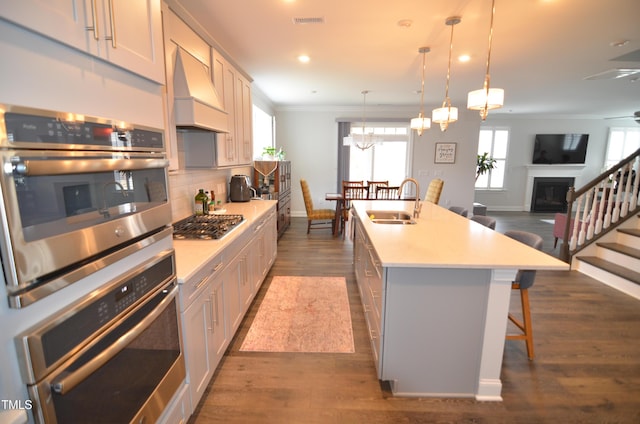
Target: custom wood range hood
[196,101]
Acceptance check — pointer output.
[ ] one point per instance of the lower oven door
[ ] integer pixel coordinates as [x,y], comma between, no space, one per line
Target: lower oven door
[66,211]
[129,374]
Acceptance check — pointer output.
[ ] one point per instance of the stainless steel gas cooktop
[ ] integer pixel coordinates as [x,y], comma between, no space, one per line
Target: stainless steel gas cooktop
[205,227]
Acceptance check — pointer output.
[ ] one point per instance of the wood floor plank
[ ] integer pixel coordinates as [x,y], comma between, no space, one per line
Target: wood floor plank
[586,370]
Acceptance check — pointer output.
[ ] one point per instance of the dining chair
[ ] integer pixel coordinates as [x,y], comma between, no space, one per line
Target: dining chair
[434,190]
[322,217]
[372,188]
[351,190]
[460,210]
[388,193]
[523,281]
[487,221]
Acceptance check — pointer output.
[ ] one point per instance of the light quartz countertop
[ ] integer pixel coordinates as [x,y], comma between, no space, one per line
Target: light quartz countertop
[443,239]
[192,255]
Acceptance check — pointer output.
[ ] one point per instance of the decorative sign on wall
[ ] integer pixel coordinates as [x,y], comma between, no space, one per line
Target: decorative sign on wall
[445,153]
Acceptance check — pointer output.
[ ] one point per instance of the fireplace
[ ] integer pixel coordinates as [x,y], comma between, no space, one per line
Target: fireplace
[550,193]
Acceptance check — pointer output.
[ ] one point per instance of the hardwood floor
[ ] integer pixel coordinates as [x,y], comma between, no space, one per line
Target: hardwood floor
[586,370]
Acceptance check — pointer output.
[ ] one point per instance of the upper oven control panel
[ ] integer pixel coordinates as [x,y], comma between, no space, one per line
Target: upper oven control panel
[30,128]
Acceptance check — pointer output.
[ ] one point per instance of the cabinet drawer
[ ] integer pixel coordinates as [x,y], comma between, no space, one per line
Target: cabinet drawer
[190,290]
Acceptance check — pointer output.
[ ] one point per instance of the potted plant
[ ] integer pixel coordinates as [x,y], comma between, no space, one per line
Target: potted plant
[484,164]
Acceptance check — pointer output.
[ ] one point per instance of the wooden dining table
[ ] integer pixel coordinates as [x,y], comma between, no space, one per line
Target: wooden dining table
[339,199]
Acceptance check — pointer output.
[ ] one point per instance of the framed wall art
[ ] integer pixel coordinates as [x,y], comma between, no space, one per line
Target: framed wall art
[445,153]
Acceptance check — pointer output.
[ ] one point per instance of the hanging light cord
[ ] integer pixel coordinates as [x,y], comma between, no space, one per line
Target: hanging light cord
[447,102]
[487,77]
[424,54]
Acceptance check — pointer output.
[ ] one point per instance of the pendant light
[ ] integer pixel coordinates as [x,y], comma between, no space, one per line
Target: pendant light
[447,113]
[362,141]
[487,98]
[421,123]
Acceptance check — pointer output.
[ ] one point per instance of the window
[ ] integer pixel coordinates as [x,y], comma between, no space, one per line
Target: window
[263,131]
[386,160]
[622,142]
[496,143]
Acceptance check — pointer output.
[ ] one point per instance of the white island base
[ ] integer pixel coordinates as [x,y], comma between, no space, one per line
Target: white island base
[436,298]
[444,331]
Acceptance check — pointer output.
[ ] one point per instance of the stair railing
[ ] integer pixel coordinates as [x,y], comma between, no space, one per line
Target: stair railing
[601,205]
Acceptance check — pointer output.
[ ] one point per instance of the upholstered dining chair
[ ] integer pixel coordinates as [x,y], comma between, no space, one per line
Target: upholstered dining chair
[434,190]
[316,218]
[523,281]
[388,193]
[372,188]
[487,221]
[460,210]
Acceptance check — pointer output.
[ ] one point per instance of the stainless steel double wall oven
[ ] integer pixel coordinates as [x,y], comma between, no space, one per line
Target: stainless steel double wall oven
[80,195]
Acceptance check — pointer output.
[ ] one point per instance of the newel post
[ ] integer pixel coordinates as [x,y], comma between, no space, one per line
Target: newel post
[564,247]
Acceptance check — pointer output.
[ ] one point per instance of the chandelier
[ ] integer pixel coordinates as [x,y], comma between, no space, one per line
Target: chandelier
[486,98]
[421,123]
[364,140]
[447,114]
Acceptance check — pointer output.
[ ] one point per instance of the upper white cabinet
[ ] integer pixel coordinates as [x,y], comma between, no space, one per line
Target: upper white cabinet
[236,146]
[125,33]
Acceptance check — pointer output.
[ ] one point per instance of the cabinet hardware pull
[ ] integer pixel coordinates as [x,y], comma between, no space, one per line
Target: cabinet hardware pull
[211,320]
[112,18]
[215,296]
[217,267]
[94,19]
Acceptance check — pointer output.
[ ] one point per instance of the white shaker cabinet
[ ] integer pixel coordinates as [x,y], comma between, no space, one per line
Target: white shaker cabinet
[203,327]
[125,33]
[236,146]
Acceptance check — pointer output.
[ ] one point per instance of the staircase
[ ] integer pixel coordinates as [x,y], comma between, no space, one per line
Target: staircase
[605,227]
[615,258]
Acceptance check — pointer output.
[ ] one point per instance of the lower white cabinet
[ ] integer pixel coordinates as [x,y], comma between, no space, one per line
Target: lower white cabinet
[215,300]
[204,334]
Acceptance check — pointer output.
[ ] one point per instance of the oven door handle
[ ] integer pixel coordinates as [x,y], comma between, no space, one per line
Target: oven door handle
[83,166]
[67,382]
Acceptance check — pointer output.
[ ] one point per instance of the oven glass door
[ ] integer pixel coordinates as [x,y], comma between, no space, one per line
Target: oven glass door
[125,375]
[56,194]
[93,201]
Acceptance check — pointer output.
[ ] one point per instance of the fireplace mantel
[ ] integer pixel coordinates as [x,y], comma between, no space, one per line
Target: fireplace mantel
[547,171]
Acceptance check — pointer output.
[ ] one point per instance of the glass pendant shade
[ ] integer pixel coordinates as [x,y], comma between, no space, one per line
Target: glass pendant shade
[485,100]
[444,116]
[420,123]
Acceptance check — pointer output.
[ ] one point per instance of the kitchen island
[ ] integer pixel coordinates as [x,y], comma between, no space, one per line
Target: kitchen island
[436,297]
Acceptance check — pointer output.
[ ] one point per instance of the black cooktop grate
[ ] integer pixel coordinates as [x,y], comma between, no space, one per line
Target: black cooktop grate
[205,227]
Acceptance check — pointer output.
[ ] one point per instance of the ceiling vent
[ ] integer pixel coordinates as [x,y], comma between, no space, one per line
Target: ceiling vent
[303,21]
[614,74]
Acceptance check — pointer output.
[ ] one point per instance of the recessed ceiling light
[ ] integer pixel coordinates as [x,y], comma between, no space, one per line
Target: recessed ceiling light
[405,23]
[303,58]
[464,58]
[619,43]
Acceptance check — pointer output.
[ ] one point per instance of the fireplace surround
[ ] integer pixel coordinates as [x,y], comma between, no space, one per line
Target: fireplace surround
[547,171]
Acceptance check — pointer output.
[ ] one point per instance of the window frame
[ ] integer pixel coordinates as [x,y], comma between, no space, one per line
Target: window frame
[505,159]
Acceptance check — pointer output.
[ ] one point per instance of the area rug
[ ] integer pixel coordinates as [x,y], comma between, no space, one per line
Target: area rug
[302,314]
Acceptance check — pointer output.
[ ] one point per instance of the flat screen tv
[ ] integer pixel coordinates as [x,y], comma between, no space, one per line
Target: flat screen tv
[560,148]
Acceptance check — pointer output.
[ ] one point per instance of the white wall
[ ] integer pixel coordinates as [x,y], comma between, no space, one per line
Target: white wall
[309,137]
[522,133]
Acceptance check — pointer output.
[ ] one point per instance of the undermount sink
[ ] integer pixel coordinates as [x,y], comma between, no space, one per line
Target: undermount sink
[390,217]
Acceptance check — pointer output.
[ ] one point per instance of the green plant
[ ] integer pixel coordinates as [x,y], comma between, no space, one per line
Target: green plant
[484,164]
[269,151]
